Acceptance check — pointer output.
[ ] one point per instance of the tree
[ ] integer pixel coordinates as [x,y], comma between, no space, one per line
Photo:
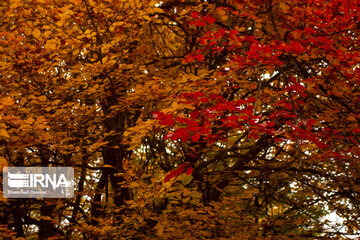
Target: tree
[183,119]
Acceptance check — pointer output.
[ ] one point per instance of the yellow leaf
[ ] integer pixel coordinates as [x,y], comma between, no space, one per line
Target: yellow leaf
[351,118]
[168,89]
[146,17]
[3,133]
[29,121]
[284,7]
[76,52]
[2,199]
[51,44]
[47,34]
[3,162]
[36,33]
[104,60]
[6,102]
[42,98]
[107,166]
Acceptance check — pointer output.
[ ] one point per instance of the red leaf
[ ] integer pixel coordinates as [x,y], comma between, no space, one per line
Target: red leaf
[246,118]
[297,47]
[233,118]
[198,23]
[194,14]
[356,130]
[199,57]
[209,19]
[179,170]
[189,171]
[174,173]
[195,137]
[189,57]
[180,133]
[247,111]
[167,121]
[288,106]
[169,176]
[204,100]
[181,120]
[194,114]
[250,100]
[270,124]
[309,30]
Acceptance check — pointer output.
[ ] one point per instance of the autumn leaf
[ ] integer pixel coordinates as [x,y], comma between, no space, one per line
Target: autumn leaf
[183,119]
[3,133]
[36,33]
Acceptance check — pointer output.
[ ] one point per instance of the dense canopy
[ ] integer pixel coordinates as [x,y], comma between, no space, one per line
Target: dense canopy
[184,119]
